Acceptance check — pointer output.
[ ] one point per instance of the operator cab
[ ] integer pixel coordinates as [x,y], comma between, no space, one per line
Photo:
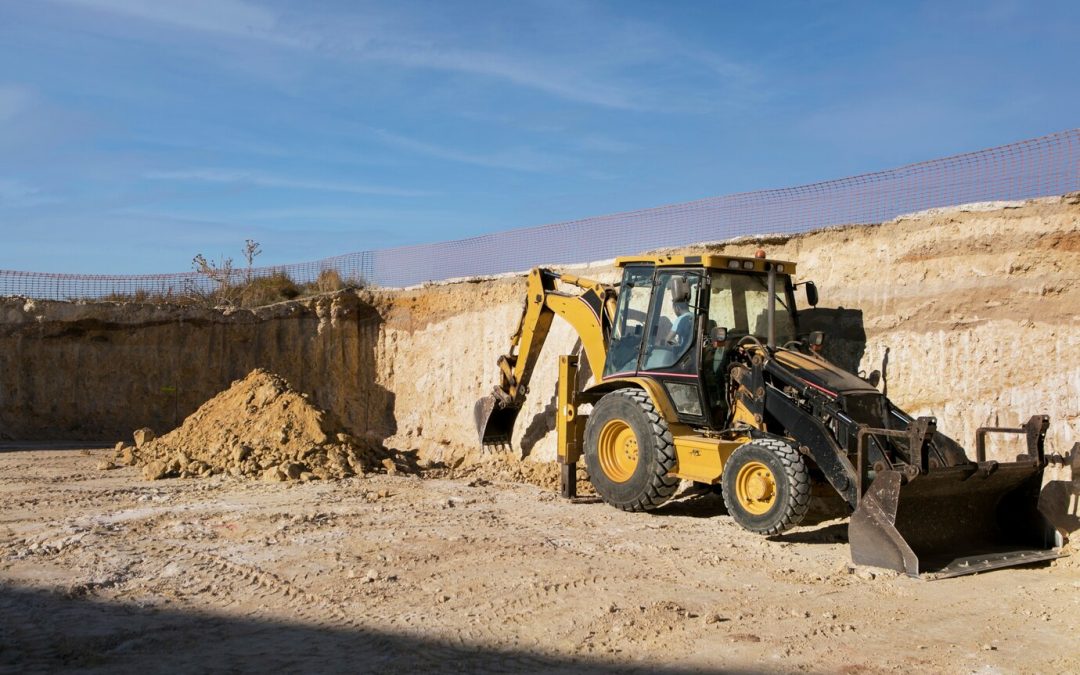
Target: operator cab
[679,318]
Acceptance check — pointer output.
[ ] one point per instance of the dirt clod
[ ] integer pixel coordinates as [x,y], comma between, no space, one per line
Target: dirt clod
[143,436]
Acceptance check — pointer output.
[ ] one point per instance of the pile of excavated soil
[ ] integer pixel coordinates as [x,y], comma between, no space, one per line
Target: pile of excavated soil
[260,426]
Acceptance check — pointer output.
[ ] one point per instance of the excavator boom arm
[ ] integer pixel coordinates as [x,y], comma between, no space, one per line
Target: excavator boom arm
[588,312]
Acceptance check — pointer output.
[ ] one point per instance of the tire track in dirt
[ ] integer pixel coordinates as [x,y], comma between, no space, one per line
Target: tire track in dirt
[312,609]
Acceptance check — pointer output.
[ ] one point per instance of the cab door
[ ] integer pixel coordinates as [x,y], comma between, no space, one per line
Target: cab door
[670,351]
[631,314]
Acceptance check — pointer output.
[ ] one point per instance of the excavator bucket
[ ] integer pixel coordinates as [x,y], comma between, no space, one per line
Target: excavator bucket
[953,521]
[494,423]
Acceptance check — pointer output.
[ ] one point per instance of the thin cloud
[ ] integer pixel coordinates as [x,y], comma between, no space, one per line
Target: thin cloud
[15,194]
[260,179]
[519,159]
[569,84]
[13,101]
[563,77]
[234,18]
[600,143]
[338,214]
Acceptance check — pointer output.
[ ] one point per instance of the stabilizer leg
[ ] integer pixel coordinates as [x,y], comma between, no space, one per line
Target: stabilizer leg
[569,427]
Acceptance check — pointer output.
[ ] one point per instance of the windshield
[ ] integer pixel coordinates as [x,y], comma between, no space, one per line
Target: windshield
[740,303]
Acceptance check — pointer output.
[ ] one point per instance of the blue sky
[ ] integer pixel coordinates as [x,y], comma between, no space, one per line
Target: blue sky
[136,133]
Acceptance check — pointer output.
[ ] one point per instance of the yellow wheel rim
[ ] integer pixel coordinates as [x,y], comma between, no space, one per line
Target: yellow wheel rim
[755,487]
[617,449]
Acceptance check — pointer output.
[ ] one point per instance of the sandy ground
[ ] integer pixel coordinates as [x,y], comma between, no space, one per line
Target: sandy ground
[101,571]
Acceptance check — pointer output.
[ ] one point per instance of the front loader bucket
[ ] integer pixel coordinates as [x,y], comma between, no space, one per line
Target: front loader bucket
[493,423]
[953,521]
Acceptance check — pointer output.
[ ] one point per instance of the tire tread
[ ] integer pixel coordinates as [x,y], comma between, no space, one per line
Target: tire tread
[798,477]
[660,485]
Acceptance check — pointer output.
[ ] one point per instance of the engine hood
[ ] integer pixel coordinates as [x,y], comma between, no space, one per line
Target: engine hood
[819,373]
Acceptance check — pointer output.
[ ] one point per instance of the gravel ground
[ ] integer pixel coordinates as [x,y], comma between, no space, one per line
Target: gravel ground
[101,571]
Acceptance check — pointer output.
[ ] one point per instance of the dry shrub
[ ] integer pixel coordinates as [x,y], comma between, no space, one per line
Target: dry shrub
[268,290]
[329,280]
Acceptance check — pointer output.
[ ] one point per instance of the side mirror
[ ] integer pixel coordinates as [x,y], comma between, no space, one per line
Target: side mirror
[816,340]
[811,294]
[874,378]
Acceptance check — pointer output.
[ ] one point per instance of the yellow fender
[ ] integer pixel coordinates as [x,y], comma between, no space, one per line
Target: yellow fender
[698,458]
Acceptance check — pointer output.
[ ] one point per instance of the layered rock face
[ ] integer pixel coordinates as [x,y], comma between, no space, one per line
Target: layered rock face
[975,312]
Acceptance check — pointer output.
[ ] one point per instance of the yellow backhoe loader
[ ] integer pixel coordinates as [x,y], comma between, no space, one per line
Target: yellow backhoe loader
[697,370]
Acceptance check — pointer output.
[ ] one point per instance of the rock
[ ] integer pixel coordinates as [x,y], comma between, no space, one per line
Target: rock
[119,447]
[143,436]
[155,470]
[371,576]
[105,465]
[292,470]
[273,475]
[127,456]
[389,465]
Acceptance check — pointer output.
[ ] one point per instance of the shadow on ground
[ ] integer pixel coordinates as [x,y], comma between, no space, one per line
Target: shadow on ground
[48,632]
[22,446]
[695,504]
[836,533]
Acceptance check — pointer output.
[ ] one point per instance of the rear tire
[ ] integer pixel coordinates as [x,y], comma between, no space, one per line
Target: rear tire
[629,451]
[766,486]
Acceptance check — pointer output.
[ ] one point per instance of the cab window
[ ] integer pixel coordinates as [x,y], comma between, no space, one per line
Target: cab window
[671,332]
[740,303]
[630,315]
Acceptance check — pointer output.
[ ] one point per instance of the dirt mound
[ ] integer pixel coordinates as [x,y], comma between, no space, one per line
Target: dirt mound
[260,426]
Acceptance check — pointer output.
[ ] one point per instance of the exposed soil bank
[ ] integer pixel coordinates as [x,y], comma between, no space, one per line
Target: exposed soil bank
[98,371]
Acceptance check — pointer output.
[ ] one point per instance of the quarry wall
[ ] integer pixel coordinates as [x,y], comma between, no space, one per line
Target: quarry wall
[977,309]
[98,371]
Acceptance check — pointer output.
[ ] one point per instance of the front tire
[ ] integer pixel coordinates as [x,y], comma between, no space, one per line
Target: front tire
[629,451]
[766,486]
